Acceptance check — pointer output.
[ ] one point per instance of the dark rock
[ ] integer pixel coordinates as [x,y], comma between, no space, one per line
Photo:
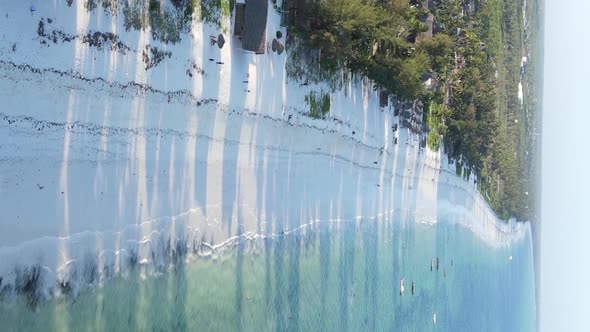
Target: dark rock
[220,41]
[41,28]
[280,47]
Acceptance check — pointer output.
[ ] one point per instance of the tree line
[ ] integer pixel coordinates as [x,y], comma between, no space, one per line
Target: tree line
[475,103]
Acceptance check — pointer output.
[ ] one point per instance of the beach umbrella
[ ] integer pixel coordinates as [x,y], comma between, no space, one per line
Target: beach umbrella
[280,47]
[274,44]
[220,41]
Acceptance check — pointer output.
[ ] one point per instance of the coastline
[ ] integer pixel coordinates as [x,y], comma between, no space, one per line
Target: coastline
[184,158]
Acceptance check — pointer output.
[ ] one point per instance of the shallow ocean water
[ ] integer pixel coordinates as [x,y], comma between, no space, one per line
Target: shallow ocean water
[335,276]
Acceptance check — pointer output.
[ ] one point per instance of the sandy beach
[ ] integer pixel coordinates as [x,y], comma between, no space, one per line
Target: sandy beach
[105,161]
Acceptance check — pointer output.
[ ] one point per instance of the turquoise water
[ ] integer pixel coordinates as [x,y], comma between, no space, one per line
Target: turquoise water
[337,276]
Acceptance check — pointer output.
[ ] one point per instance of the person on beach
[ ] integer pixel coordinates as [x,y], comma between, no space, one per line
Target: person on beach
[401,287]
[413,288]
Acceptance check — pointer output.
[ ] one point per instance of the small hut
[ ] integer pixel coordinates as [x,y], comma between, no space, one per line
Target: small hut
[239,19]
[429,81]
[250,25]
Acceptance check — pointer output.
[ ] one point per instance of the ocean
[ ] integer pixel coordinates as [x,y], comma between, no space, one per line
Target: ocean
[341,276]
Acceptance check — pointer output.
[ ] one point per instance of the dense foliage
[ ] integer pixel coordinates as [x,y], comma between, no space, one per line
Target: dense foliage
[370,38]
[475,56]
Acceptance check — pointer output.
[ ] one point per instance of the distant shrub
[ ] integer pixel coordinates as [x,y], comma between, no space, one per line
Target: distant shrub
[279,35]
[319,106]
[154,5]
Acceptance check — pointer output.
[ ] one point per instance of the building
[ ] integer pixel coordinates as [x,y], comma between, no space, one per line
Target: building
[429,81]
[250,24]
[239,19]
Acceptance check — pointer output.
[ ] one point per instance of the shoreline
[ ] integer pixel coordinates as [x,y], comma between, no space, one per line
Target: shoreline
[105,149]
[135,242]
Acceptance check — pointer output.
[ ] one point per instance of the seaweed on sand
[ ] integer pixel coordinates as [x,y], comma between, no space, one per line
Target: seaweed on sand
[27,283]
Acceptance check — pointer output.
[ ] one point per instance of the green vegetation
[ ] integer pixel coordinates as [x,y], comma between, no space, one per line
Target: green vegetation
[474,55]
[367,38]
[486,123]
[319,106]
[437,127]
[439,49]
[154,5]
[167,20]
[510,173]
[532,88]
[303,65]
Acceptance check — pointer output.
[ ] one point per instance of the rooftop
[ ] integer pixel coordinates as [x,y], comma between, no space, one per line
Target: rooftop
[254,31]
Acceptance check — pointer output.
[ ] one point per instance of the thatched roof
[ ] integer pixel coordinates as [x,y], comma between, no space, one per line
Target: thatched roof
[239,19]
[425,77]
[254,32]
